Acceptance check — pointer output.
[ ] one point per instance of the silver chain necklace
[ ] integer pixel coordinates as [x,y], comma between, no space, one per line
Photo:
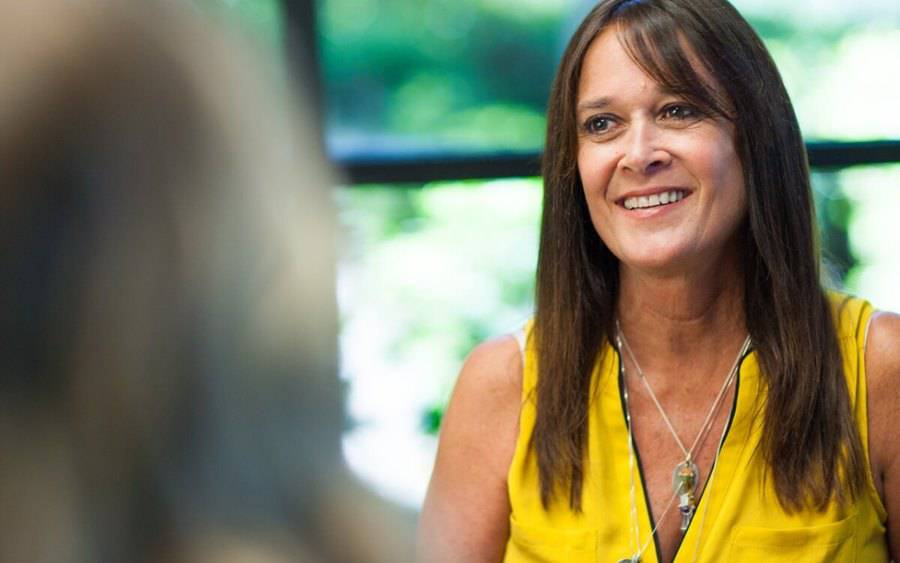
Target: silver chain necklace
[685,476]
[639,548]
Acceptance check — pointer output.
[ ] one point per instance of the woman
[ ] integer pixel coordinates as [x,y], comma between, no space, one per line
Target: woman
[687,390]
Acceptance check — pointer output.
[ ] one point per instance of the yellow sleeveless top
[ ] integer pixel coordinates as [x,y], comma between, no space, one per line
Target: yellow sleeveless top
[738,518]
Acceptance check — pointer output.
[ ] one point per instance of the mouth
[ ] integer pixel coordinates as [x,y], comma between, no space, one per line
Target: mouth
[654,200]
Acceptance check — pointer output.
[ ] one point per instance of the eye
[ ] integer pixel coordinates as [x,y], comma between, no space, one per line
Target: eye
[597,124]
[681,112]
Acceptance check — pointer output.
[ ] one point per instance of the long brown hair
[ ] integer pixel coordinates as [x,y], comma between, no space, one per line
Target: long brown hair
[810,442]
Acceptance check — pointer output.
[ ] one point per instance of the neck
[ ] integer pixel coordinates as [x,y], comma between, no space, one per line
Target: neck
[677,320]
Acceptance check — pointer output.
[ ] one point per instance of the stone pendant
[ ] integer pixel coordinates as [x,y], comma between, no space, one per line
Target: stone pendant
[634,559]
[684,484]
[687,513]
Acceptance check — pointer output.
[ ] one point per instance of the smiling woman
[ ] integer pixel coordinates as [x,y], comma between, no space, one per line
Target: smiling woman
[646,145]
[677,211]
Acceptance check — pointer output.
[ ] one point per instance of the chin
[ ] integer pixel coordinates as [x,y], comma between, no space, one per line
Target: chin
[665,261]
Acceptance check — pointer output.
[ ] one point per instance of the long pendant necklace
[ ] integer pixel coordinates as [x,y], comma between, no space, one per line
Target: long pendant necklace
[640,549]
[685,476]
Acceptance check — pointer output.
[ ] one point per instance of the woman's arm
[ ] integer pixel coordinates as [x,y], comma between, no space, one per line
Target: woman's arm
[466,511]
[883,374]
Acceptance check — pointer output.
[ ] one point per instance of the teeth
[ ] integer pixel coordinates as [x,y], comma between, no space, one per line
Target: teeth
[655,200]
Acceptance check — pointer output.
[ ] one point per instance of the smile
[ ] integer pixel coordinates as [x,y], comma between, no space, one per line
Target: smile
[655,200]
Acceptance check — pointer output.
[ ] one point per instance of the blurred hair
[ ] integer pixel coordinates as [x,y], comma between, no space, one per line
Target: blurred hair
[167,309]
[706,52]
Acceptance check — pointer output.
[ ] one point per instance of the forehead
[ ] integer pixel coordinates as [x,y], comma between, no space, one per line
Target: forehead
[608,70]
[609,65]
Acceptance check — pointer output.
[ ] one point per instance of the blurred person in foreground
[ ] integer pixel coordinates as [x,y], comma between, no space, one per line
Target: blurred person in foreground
[688,390]
[167,312]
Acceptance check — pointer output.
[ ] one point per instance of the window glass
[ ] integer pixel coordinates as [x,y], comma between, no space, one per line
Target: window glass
[406,76]
[426,273]
[831,56]
[415,76]
[429,271]
[871,211]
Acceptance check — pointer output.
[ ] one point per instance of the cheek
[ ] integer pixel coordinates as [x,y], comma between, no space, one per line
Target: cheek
[716,163]
[584,168]
[595,170]
[731,175]
[727,173]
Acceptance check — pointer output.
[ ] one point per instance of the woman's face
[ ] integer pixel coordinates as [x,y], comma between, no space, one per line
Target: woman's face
[663,182]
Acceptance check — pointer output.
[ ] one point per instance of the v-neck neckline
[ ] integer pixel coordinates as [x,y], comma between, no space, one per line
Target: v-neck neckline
[620,378]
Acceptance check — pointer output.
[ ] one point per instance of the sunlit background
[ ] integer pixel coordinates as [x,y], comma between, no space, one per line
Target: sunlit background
[428,270]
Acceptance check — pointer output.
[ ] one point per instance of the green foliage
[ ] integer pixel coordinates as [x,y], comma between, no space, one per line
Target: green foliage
[428,273]
[833,214]
[463,72]
[475,74]
[431,419]
[871,193]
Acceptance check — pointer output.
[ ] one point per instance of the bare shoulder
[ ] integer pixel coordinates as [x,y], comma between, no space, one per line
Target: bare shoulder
[466,512]
[483,412]
[883,382]
[494,367]
[883,358]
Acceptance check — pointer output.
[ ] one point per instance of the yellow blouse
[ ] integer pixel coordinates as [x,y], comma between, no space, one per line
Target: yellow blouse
[738,518]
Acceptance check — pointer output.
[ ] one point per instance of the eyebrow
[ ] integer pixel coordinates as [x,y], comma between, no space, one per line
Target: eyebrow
[596,103]
[604,101]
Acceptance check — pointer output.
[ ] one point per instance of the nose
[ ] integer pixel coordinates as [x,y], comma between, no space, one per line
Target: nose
[644,150]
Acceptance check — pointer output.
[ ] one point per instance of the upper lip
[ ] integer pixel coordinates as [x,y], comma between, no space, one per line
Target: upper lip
[651,191]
